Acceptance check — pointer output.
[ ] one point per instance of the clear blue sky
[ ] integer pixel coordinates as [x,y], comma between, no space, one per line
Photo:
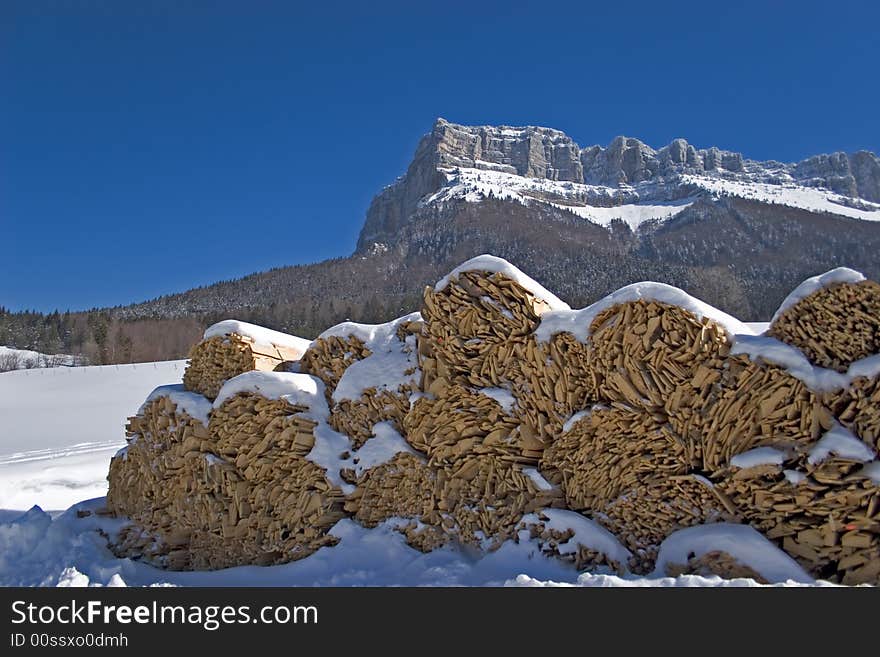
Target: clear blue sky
[149,147]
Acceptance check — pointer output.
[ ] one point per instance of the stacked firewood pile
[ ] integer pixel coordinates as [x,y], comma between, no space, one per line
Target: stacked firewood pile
[479,500]
[150,479]
[824,513]
[675,408]
[858,408]
[835,325]
[633,473]
[745,404]
[237,491]
[456,422]
[471,484]
[645,413]
[332,353]
[328,357]
[472,323]
[224,354]
[644,351]
[480,331]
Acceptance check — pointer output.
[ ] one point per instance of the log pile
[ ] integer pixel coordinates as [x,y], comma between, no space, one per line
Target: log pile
[215,360]
[715,563]
[456,422]
[382,401]
[472,325]
[267,441]
[824,515]
[741,405]
[632,473]
[642,412]
[644,351]
[471,485]
[357,417]
[174,492]
[858,408]
[550,382]
[328,357]
[478,501]
[238,491]
[834,326]
[479,332]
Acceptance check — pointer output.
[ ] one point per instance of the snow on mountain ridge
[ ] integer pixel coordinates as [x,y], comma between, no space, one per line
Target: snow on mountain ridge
[536,151]
[640,203]
[529,164]
[596,203]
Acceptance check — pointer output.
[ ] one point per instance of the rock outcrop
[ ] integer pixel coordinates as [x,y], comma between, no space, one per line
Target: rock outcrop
[547,154]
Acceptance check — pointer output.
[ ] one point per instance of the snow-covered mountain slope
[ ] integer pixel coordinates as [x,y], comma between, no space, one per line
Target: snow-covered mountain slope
[59,427]
[790,195]
[595,203]
[642,203]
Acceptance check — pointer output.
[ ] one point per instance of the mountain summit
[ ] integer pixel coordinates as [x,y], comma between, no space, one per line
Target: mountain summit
[626,179]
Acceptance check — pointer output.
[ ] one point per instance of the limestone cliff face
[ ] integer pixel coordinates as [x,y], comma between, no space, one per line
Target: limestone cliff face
[865,168]
[547,154]
[531,152]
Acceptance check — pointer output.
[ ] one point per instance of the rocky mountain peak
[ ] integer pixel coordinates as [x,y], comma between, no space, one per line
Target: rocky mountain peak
[625,166]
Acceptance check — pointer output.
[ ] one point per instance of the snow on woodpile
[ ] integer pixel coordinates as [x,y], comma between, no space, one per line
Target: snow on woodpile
[729,551]
[603,436]
[480,324]
[238,490]
[834,319]
[369,371]
[231,347]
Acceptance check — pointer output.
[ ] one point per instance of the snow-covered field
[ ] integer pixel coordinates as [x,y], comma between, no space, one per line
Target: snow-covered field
[60,426]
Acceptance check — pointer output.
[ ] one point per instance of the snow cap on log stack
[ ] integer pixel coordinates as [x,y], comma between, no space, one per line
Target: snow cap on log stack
[369,370]
[834,319]
[244,490]
[231,347]
[475,316]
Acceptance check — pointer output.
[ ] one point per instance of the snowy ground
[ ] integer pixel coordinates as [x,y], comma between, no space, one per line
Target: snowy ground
[37,550]
[59,427]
